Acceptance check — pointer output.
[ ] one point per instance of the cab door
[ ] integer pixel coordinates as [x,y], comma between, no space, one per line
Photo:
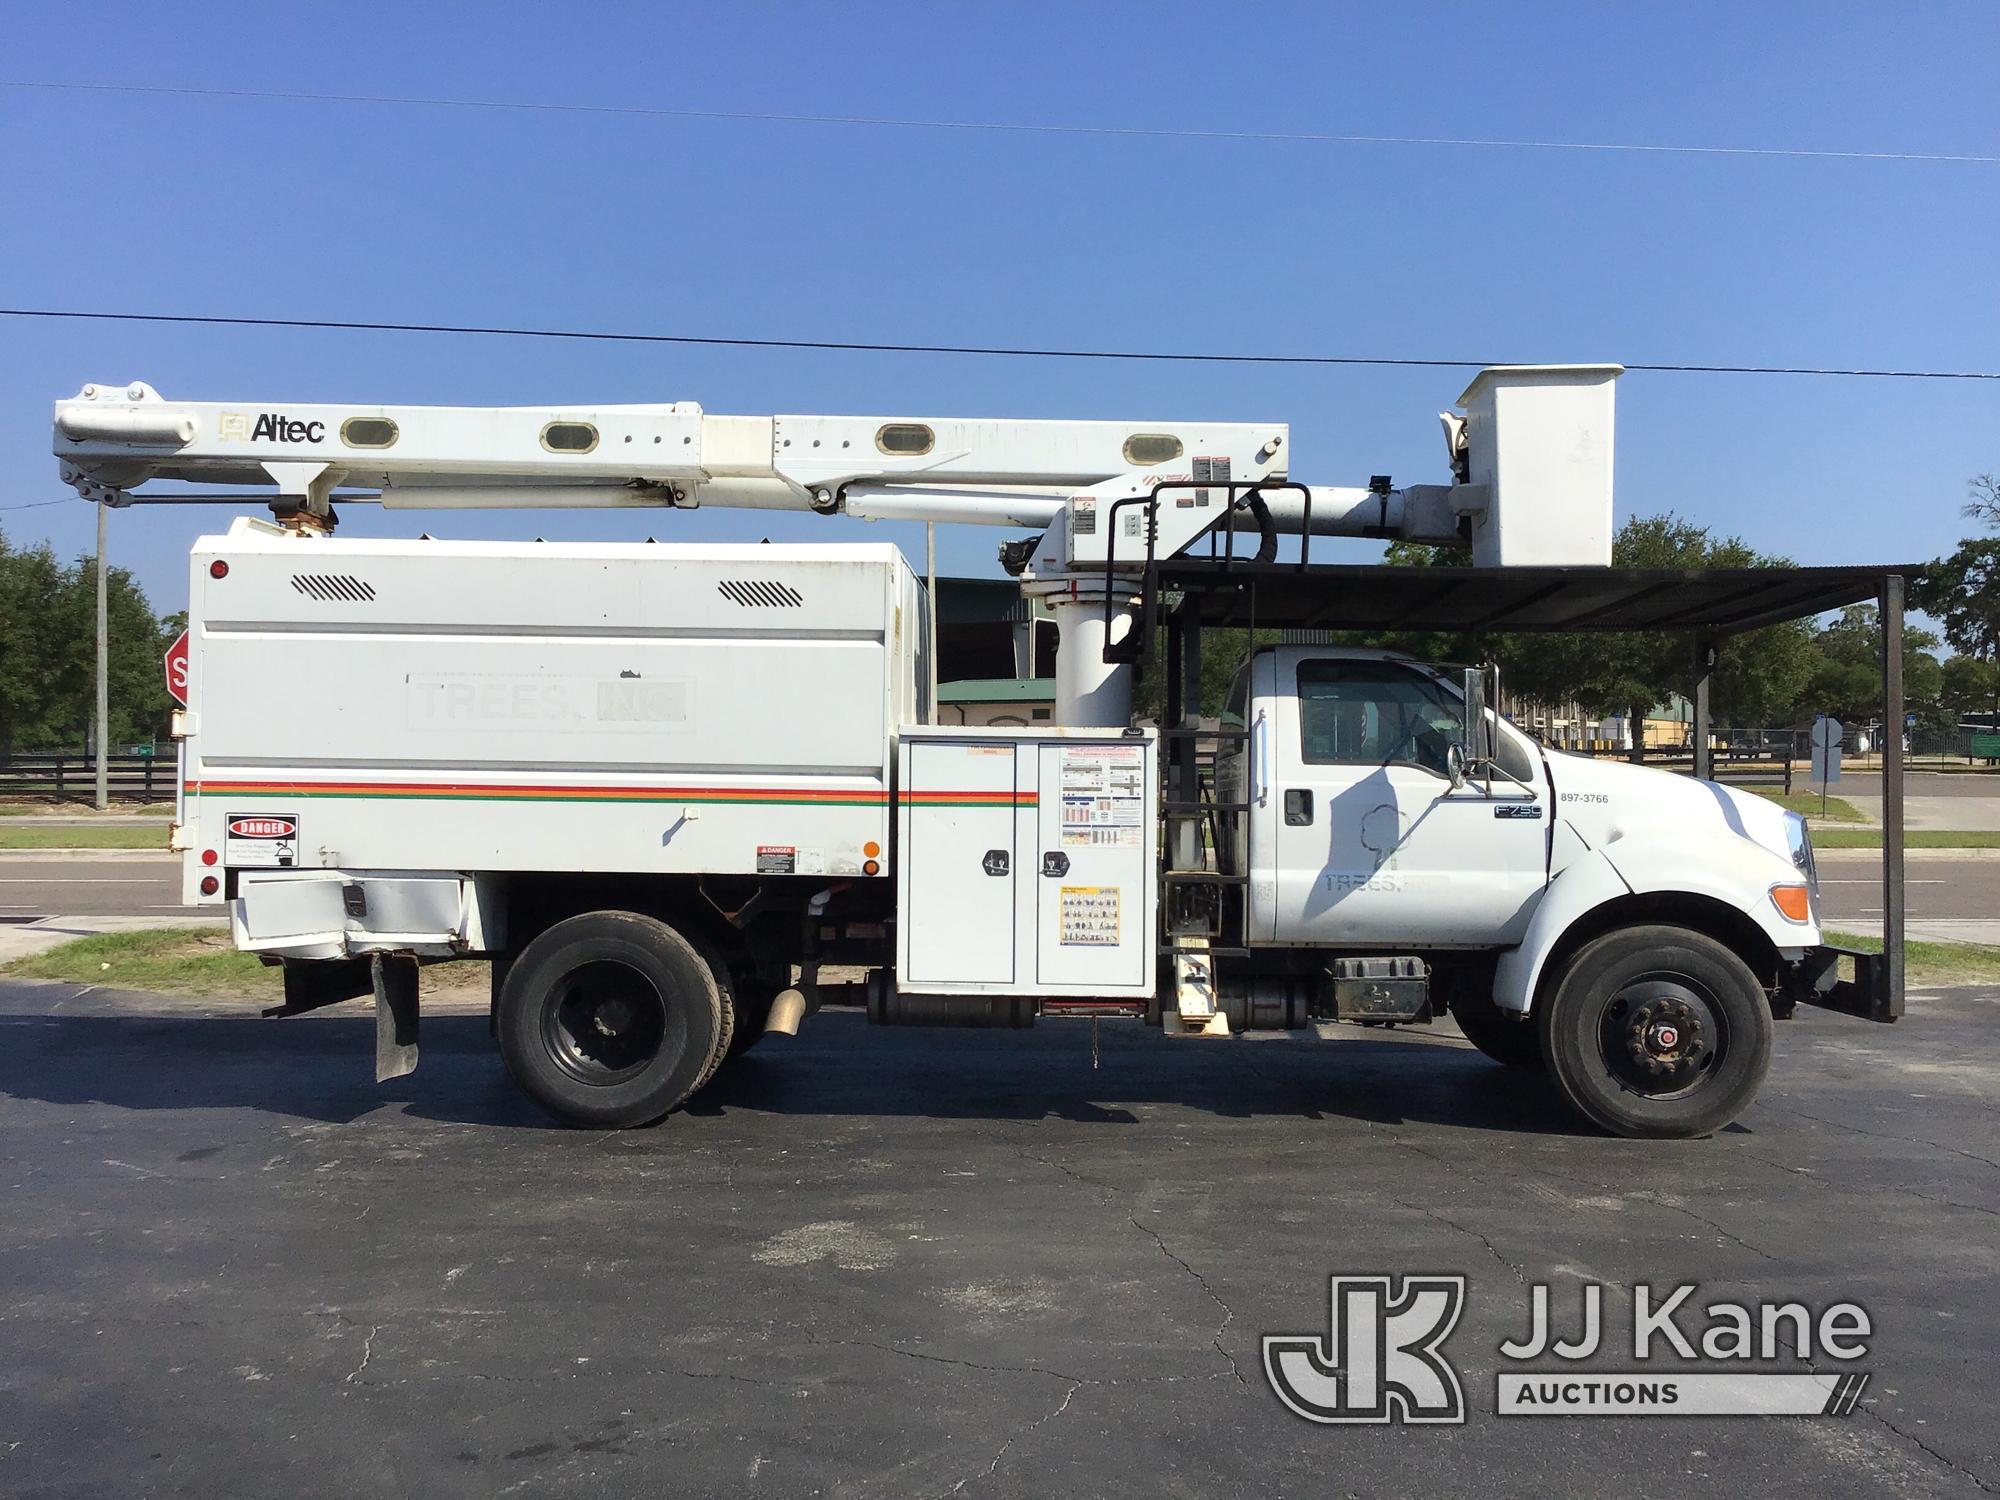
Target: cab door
[1358,837]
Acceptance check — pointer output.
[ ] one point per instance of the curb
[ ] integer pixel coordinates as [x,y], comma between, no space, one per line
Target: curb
[1874,856]
[31,938]
[157,856]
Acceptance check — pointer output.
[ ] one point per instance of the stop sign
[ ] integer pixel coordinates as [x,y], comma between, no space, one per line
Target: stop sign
[177,669]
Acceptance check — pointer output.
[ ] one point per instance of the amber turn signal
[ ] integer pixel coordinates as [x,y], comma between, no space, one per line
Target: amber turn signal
[1793,902]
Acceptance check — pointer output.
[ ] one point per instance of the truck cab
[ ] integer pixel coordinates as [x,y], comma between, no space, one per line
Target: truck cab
[1366,828]
[1358,825]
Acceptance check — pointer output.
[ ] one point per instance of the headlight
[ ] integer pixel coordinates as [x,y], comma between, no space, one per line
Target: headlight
[1798,838]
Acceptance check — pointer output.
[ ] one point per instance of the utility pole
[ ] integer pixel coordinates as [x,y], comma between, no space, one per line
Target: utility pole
[103,675]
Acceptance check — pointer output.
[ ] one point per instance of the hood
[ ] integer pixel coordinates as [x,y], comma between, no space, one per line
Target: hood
[1605,800]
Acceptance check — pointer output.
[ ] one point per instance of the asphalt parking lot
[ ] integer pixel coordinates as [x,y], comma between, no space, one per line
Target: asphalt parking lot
[902,1263]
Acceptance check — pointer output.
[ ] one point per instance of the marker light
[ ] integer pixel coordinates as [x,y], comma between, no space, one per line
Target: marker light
[210,885]
[1793,902]
[218,569]
[208,856]
[870,867]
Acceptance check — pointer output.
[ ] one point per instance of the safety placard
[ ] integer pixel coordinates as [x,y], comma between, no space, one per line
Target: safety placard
[1088,916]
[1103,795]
[260,840]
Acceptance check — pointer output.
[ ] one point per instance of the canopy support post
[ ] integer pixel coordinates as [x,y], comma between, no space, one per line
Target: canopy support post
[1888,1000]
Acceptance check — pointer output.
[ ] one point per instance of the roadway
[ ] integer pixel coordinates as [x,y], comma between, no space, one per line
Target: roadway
[73,885]
[1932,800]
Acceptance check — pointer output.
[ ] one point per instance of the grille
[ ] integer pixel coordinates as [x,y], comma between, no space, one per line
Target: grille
[758,593]
[333,588]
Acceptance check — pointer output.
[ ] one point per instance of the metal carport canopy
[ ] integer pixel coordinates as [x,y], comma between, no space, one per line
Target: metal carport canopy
[1369,596]
[1704,603]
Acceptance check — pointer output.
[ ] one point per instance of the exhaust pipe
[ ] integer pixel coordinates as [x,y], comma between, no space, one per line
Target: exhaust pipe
[786,1012]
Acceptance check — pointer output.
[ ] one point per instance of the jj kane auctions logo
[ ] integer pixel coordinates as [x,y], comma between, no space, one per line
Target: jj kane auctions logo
[1383,1360]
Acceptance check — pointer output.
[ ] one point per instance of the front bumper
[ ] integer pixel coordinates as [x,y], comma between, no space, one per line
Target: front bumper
[1816,978]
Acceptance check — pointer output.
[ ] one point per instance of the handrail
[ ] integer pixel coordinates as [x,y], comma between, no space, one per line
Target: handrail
[1241,494]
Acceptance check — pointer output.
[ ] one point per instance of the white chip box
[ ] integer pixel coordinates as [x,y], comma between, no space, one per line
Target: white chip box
[1027,862]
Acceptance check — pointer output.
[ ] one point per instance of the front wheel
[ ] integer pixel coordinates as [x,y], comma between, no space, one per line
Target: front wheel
[1657,1032]
[611,1019]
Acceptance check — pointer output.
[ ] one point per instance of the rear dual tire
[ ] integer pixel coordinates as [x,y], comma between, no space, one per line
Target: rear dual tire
[613,1019]
[1507,1038]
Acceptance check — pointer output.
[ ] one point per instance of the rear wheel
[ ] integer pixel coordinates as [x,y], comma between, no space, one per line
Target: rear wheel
[1502,1035]
[611,1019]
[753,997]
[1657,1031]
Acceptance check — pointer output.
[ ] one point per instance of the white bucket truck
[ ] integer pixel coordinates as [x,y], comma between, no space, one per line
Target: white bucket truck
[663,788]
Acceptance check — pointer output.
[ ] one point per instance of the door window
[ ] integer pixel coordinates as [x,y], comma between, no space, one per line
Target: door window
[1374,713]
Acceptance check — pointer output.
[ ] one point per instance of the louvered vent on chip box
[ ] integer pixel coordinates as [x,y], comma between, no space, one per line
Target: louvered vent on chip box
[333,588]
[760,593]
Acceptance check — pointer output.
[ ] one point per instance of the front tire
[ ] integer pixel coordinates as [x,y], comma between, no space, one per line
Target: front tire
[611,1019]
[1657,1032]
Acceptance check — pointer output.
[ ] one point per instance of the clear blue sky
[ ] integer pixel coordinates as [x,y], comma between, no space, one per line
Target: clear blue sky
[850,232]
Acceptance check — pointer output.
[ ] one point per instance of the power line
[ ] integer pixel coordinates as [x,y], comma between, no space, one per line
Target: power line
[888,122]
[35,504]
[1162,356]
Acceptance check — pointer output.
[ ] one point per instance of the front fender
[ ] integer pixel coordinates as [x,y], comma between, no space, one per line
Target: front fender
[1731,871]
[1584,885]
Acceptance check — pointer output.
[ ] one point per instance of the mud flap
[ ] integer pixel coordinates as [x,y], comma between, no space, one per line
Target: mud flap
[395,1016]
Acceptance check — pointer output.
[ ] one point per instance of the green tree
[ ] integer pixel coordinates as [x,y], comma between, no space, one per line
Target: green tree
[1963,592]
[30,582]
[1971,686]
[48,634]
[135,678]
[1847,680]
[1757,676]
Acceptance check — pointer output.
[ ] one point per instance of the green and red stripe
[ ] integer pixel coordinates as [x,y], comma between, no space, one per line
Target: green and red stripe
[466,791]
[967,799]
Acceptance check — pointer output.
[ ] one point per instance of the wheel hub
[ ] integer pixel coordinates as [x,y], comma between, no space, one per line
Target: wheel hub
[1659,1036]
[1664,1036]
[612,1016]
[605,1023]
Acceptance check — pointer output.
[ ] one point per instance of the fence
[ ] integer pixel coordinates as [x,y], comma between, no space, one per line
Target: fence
[73,777]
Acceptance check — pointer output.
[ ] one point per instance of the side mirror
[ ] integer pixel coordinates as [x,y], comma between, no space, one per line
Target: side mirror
[1454,765]
[1475,743]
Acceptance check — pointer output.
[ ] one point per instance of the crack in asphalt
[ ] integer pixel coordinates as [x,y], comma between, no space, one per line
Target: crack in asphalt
[1649,1196]
[1491,1249]
[367,1353]
[941,1359]
[1070,1172]
[1910,1437]
[1883,1135]
[1827,1185]
[1112,1192]
[1866,1407]
[1228,1313]
[1047,1417]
